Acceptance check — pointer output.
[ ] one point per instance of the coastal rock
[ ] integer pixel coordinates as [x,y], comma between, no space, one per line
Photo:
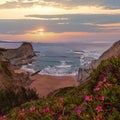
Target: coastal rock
[20,56]
[112,51]
[9,78]
[83,74]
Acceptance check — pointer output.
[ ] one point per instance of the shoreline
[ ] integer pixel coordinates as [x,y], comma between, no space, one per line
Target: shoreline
[44,84]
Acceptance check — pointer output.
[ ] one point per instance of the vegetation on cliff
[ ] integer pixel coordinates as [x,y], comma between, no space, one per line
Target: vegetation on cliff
[13,90]
[96,99]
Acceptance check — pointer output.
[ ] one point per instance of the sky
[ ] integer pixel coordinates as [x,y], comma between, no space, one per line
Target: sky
[60,20]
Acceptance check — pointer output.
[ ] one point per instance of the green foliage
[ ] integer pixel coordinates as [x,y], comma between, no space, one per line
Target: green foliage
[10,97]
[5,69]
[97,100]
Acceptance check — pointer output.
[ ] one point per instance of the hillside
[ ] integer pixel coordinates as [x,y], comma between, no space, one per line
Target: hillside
[96,99]
[14,89]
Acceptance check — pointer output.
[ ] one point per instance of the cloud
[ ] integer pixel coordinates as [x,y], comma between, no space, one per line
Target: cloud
[108,4]
[82,18]
[61,23]
[20,4]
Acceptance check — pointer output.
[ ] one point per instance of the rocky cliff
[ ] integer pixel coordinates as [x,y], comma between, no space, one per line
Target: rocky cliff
[112,51]
[21,55]
[9,78]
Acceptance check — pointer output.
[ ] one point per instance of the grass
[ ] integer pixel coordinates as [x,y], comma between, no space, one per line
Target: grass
[4,67]
[97,100]
[15,96]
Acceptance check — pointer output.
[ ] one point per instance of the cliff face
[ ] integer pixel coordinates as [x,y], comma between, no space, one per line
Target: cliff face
[21,55]
[113,51]
[10,58]
[9,78]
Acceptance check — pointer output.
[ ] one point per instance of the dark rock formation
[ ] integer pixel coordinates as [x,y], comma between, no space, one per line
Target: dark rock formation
[20,56]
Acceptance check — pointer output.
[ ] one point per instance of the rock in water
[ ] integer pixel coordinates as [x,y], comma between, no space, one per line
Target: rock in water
[20,56]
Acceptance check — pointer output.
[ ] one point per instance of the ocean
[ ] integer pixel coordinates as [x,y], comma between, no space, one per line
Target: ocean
[62,58]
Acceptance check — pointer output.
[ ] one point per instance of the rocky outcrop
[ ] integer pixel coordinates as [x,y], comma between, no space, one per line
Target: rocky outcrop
[9,59]
[112,51]
[9,78]
[84,74]
[20,56]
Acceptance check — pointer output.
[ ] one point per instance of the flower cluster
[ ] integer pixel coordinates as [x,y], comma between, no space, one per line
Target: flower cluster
[101,83]
[88,98]
[47,109]
[99,108]
[98,100]
[78,111]
[32,109]
[3,117]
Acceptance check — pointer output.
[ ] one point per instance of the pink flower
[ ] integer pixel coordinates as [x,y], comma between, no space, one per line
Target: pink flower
[88,98]
[78,111]
[100,83]
[61,99]
[99,117]
[1,118]
[96,89]
[43,111]
[32,109]
[23,109]
[99,108]
[107,85]
[101,98]
[4,116]
[47,109]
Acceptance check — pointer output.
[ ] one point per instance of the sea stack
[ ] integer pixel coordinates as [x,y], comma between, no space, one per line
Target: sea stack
[20,56]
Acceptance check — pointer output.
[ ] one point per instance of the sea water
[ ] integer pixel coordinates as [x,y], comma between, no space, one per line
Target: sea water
[61,58]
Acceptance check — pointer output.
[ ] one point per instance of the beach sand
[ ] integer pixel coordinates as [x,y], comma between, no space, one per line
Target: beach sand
[44,84]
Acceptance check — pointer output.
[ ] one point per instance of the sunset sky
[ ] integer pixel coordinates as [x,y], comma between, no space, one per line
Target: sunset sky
[60,20]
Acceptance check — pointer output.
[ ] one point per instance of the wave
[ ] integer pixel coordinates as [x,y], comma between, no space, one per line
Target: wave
[66,66]
[63,69]
[58,70]
[24,67]
[79,52]
[63,65]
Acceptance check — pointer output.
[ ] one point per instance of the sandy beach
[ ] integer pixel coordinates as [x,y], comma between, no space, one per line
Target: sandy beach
[44,84]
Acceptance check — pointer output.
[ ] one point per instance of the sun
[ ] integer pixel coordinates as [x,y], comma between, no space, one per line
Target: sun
[41,32]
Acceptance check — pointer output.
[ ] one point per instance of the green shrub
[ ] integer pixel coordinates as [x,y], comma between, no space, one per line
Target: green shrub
[5,69]
[97,100]
[10,98]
